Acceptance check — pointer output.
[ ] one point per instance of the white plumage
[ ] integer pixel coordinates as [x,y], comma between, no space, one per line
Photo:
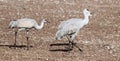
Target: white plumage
[25,24]
[71,27]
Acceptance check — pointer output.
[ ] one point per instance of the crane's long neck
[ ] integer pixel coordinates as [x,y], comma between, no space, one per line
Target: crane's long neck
[40,26]
[86,19]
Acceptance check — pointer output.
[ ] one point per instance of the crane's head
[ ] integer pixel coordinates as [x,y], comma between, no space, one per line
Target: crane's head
[45,20]
[87,12]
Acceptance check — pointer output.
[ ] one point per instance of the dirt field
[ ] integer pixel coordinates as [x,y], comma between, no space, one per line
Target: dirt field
[99,40]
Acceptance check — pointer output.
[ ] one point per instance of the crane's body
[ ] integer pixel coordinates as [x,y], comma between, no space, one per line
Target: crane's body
[71,27]
[25,24]
[29,23]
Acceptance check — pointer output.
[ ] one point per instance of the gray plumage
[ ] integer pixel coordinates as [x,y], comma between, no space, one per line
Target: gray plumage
[25,24]
[72,26]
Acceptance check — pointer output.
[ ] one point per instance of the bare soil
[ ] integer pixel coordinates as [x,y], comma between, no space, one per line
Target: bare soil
[99,40]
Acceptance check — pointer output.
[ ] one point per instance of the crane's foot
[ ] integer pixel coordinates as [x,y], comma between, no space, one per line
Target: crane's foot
[71,43]
[70,47]
[74,44]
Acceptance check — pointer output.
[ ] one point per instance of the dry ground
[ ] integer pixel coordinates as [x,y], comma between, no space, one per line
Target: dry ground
[99,40]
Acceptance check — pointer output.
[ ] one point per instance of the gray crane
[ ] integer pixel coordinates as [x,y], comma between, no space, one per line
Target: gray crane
[71,27]
[25,24]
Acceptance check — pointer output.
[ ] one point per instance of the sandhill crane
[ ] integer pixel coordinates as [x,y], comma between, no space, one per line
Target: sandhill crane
[25,24]
[71,27]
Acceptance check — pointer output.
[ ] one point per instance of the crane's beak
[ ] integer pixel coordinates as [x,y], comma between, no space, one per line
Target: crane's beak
[90,14]
[48,21]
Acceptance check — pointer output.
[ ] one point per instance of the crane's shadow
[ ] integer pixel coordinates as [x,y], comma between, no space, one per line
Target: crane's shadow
[60,49]
[15,46]
[64,44]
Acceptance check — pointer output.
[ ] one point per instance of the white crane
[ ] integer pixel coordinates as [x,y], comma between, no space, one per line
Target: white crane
[71,27]
[25,24]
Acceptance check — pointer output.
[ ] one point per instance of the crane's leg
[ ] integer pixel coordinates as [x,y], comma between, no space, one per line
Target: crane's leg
[70,43]
[27,37]
[15,38]
[16,32]
[71,40]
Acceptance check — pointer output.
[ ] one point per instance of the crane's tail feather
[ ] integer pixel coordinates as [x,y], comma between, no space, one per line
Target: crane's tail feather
[59,35]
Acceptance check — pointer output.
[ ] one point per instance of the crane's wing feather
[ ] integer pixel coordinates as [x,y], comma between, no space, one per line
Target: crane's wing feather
[70,28]
[71,25]
[67,28]
[26,22]
[61,26]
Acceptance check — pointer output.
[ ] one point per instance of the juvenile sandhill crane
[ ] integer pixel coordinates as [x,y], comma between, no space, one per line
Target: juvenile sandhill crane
[25,24]
[71,27]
